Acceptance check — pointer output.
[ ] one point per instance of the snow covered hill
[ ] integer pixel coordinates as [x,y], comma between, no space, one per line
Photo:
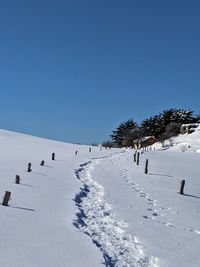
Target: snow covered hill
[189,141]
[183,142]
[97,208]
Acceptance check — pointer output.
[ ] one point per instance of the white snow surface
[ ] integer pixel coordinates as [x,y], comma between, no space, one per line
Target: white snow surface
[98,208]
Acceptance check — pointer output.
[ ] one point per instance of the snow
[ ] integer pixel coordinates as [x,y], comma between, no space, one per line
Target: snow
[98,208]
[190,142]
[119,248]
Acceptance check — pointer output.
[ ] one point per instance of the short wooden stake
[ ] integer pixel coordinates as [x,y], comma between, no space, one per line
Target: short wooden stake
[138,158]
[53,156]
[182,184]
[42,163]
[17,179]
[76,152]
[6,198]
[135,156]
[146,166]
[29,168]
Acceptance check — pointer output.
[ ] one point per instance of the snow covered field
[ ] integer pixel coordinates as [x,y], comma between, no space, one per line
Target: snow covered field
[98,208]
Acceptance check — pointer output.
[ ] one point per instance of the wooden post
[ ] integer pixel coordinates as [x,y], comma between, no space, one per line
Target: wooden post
[6,198]
[76,152]
[182,184]
[135,156]
[90,149]
[146,166]
[29,168]
[138,158]
[17,179]
[53,156]
[42,163]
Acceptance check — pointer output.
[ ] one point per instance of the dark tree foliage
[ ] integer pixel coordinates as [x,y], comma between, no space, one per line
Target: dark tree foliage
[198,118]
[173,129]
[177,115]
[172,119]
[107,144]
[157,125]
[130,137]
[123,132]
[162,126]
[152,126]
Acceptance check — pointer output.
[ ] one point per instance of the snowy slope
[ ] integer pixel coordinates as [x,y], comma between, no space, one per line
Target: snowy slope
[98,208]
[37,229]
[189,141]
[183,142]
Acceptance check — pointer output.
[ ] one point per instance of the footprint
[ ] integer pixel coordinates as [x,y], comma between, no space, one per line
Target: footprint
[154,214]
[194,231]
[197,231]
[169,224]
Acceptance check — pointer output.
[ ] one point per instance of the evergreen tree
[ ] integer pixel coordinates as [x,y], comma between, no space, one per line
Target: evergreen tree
[122,132]
[152,126]
[177,115]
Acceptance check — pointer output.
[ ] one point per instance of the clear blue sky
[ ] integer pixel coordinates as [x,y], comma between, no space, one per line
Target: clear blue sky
[72,70]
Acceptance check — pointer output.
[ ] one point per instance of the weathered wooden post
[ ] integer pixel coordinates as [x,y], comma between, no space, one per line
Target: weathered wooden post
[135,156]
[90,149]
[6,198]
[17,179]
[53,156]
[146,166]
[182,184]
[138,158]
[42,163]
[76,152]
[29,168]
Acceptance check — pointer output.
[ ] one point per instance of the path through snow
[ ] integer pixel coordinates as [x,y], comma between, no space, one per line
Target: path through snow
[96,219]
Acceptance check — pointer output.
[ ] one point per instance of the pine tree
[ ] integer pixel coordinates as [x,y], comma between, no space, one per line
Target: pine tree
[177,115]
[122,132]
[152,126]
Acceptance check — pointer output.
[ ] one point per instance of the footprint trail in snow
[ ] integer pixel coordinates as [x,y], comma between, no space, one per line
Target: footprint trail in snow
[96,219]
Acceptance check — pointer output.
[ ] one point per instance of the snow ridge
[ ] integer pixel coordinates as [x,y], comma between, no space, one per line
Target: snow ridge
[95,218]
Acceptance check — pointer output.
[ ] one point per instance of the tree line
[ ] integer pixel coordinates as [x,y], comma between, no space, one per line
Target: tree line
[162,126]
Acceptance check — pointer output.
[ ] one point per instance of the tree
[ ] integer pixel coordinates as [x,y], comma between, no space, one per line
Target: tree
[182,116]
[152,126]
[130,137]
[123,132]
[107,144]
[173,129]
[157,125]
